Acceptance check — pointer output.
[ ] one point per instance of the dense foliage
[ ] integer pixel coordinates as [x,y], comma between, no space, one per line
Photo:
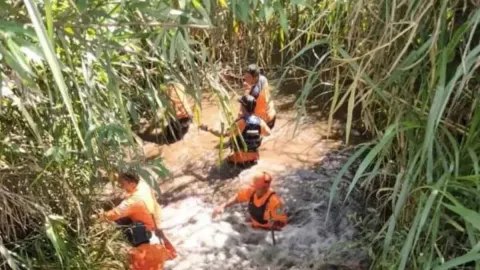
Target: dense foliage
[77,75]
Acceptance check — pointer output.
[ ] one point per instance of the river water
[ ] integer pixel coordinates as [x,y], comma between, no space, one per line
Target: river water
[303,164]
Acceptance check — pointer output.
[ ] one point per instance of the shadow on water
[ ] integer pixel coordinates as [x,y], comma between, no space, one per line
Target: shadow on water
[317,103]
[215,177]
[159,139]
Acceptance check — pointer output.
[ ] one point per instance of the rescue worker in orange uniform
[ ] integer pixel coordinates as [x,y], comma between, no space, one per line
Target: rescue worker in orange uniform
[264,206]
[178,126]
[246,134]
[257,86]
[140,214]
[179,114]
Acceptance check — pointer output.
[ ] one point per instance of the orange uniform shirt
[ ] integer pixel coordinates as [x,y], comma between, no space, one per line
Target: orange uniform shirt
[241,156]
[265,108]
[274,210]
[179,101]
[141,206]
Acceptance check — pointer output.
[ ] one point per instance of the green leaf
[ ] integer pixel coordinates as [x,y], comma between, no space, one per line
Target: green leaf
[269,12]
[243,8]
[133,112]
[405,252]
[469,257]
[341,173]
[19,57]
[208,5]
[283,17]
[454,223]
[58,154]
[32,124]
[297,2]
[198,6]
[82,5]
[406,183]
[49,18]
[52,60]
[365,76]
[12,28]
[19,68]
[182,3]
[223,3]
[351,105]
[456,151]
[429,204]
[31,51]
[412,58]
[467,214]
[172,47]
[54,230]
[452,45]
[5,253]
[112,85]
[386,139]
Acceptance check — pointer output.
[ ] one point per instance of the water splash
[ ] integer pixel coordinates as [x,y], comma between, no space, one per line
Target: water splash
[308,242]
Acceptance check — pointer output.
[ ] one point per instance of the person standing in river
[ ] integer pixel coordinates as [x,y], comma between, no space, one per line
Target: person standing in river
[257,86]
[265,208]
[179,115]
[246,134]
[139,215]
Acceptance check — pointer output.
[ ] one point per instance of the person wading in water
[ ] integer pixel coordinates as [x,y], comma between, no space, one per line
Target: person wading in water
[246,134]
[264,206]
[139,217]
[257,86]
[179,116]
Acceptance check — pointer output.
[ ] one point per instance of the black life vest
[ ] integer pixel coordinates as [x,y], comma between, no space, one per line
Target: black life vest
[257,212]
[251,135]
[135,232]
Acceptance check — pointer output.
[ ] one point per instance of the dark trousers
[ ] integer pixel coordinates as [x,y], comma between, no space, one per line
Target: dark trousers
[176,129]
[173,132]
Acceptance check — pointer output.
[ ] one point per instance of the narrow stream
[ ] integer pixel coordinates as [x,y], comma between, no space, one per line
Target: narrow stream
[303,165]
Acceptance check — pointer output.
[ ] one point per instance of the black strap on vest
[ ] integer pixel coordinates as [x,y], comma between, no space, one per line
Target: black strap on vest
[135,232]
[250,139]
[258,212]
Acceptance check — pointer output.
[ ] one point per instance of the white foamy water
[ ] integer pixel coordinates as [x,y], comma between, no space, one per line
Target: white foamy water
[228,242]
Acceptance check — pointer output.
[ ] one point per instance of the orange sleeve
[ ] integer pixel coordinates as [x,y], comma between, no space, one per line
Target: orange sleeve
[239,127]
[244,194]
[264,129]
[275,210]
[124,209]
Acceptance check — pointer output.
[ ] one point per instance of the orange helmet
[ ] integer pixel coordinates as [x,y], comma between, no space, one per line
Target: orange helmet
[261,180]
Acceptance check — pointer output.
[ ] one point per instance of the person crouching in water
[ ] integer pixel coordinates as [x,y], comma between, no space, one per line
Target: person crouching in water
[265,208]
[246,134]
[179,116]
[139,216]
